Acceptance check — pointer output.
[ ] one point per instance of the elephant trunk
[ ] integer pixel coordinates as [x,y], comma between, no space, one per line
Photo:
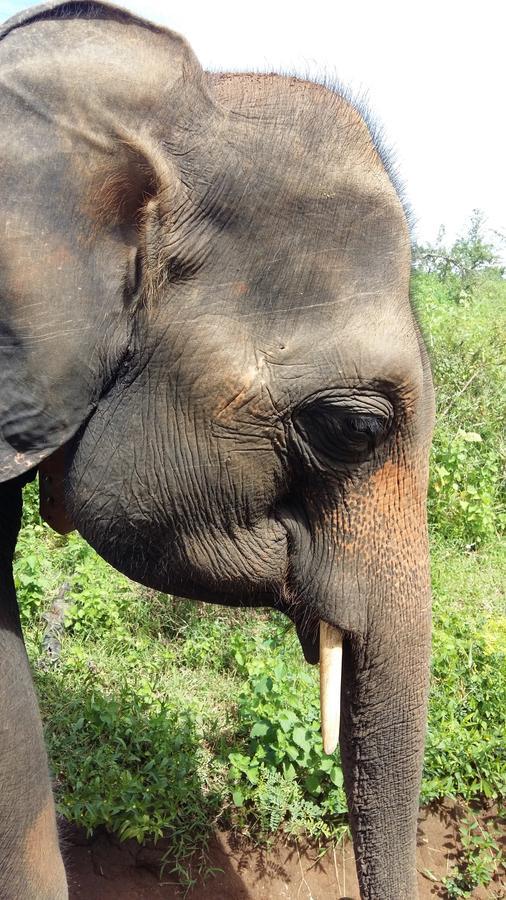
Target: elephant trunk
[384,699]
[369,576]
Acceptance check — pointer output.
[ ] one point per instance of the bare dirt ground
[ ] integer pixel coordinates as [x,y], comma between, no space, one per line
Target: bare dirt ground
[104,869]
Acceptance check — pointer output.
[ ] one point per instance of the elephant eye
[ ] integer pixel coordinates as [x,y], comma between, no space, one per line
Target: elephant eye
[334,431]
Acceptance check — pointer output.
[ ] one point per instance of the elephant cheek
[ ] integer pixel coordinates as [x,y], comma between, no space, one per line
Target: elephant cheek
[390,528]
[377,551]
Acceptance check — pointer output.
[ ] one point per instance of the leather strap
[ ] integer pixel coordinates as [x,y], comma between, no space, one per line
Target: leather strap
[52,494]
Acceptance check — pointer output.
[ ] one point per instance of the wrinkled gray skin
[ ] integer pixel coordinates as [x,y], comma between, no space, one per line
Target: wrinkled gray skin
[204,294]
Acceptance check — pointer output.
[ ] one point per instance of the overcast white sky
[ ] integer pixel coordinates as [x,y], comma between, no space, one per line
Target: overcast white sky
[433,70]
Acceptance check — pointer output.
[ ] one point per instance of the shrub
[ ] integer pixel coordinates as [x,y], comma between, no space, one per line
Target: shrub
[465,480]
[465,754]
[481,858]
[461,267]
[466,345]
[34,574]
[280,774]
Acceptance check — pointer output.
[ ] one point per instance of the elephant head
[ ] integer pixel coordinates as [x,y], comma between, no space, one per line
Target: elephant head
[205,298]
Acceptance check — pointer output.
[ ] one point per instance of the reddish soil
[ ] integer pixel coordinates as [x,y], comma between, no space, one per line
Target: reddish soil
[104,869]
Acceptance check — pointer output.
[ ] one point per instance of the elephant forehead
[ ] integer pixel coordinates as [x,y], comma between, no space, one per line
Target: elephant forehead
[293,162]
[271,205]
[239,369]
[301,120]
[245,393]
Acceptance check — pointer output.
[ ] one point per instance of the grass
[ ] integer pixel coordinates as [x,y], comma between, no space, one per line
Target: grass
[465,752]
[166,717]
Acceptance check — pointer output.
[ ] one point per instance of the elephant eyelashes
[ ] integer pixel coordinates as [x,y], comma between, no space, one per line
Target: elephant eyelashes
[367,426]
[371,428]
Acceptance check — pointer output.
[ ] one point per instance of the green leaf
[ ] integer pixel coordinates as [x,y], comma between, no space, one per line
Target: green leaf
[252,774]
[336,776]
[472,437]
[238,797]
[287,721]
[300,737]
[313,783]
[259,729]
[289,771]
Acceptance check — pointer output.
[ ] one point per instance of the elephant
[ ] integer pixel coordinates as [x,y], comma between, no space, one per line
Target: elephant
[209,353]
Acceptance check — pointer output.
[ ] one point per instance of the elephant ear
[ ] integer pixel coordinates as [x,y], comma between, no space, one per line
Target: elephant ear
[90,96]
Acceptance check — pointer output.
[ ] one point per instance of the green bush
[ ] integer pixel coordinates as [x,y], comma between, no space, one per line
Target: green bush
[34,574]
[99,603]
[131,761]
[465,480]
[466,346]
[465,754]
[481,858]
[280,774]
[243,715]
[462,267]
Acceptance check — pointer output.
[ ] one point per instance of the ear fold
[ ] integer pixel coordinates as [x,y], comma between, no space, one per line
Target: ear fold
[88,95]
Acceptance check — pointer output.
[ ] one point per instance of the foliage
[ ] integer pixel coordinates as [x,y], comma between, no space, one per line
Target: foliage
[243,716]
[480,859]
[87,580]
[465,753]
[466,346]
[33,575]
[467,705]
[465,482]
[461,267]
[128,755]
[281,773]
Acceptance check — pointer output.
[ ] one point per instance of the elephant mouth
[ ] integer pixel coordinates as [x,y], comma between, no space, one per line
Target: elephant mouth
[309,638]
[320,641]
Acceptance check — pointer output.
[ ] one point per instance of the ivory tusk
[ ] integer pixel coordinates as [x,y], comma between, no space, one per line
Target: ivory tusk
[331,657]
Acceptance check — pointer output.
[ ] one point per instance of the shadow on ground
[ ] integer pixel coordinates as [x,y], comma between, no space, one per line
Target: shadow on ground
[103,868]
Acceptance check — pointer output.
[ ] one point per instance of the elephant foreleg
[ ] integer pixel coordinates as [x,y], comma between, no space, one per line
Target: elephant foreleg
[31,866]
